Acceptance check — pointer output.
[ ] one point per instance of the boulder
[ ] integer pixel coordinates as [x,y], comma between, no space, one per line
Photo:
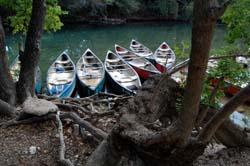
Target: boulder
[38,107]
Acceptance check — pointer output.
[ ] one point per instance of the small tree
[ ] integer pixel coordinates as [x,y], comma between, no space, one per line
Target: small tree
[173,143]
[29,19]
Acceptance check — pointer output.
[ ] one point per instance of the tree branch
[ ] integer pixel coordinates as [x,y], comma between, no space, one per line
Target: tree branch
[216,12]
[214,123]
[63,161]
[203,114]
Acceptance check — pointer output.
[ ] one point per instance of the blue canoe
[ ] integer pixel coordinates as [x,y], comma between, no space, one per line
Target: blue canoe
[90,73]
[121,77]
[61,77]
[15,68]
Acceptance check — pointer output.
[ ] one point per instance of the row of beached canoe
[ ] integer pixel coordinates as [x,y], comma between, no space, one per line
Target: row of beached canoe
[123,70]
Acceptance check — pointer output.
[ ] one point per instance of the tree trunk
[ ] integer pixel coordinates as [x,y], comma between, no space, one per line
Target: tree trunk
[202,33]
[30,58]
[7,86]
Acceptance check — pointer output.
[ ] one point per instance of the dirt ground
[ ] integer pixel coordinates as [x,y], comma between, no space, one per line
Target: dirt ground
[38,145]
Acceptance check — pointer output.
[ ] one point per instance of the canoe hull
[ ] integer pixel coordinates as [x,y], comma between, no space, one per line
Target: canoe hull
[38,81]
[90,74]
[144,74]
[114,87]
[84,90]
[142,66]
[164,58]
[63,89]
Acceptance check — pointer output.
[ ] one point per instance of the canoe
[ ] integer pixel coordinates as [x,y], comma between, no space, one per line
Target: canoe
[90,73]
[180,77]
[143,67]
[141,50]
[15,68]
[121,77]
[61,77]
[164,57]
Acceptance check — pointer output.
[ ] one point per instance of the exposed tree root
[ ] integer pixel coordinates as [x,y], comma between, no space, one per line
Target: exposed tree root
[31,120]
[7,109]
[62,161]
[96,132]
[104,155]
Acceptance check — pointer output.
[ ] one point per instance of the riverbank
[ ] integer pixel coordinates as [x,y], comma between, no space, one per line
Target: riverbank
[38,144]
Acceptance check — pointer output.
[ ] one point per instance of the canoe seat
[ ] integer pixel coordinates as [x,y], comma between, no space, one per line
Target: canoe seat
[59,81]
[112,60]
[90,76]
[160,60]
[170,60]
[62,62]
[127,79]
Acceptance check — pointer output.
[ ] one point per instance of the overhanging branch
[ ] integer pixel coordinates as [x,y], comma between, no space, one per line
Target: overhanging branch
[214,123]
[216,12]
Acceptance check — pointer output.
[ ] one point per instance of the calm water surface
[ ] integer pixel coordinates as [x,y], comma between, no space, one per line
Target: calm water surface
[77,38]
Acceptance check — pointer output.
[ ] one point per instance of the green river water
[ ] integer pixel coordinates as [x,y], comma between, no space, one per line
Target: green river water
[77,38]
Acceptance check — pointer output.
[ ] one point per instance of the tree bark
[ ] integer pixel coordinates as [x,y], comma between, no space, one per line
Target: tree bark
[7,109]
[211,127]
[7,86]
[30,58]
[104,155]
[202,32]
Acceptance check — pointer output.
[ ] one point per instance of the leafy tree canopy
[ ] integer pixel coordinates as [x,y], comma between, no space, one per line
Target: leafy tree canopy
[237,18]
[128,6]
[22,9]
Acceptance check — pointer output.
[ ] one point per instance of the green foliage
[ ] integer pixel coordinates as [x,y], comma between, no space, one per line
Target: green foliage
[23,8]
[231,71]
[237,18]
[206,93]
[128,6]
[182,50]
[227,50]
[165,7]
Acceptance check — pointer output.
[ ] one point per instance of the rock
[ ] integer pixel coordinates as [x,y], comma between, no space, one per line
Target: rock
[38,107]
[32,150]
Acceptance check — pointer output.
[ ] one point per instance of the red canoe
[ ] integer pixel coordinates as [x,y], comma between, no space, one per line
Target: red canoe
[143,67]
